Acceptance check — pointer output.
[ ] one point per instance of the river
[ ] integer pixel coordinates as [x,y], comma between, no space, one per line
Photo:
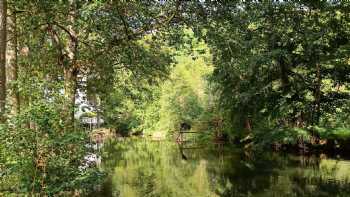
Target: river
[143,168]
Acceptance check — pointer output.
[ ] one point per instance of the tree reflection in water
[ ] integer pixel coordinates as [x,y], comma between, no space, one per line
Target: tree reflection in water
[144,168]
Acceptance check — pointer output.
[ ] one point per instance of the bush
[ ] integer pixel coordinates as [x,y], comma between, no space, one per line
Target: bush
[339,133]
[282,136]
[42,157]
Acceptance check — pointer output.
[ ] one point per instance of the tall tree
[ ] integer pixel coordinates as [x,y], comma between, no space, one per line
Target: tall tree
[70,68]
[3,37]
[12,61]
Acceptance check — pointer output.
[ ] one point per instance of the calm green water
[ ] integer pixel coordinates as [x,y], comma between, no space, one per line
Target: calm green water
[144,168]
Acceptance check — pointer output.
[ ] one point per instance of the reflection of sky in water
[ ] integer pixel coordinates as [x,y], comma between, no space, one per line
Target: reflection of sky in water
[141,168]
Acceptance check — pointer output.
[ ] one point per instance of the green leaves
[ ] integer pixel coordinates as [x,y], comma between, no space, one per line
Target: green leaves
[39,151]
[276,57]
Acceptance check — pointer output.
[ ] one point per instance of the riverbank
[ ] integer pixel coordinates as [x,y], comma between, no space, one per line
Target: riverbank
[297,140]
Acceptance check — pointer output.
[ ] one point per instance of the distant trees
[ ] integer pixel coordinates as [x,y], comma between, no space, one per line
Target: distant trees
[184,97]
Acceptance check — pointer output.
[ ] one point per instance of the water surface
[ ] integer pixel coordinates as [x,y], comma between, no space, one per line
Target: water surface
[163,169]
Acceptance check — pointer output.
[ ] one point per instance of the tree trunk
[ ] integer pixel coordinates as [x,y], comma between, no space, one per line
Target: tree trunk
[3,37]
[70,87]
[284,74]
[248,125]
[12,63]
[70,70]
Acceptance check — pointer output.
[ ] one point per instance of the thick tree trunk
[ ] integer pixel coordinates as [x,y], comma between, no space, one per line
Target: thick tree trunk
[70,70]
[12,64]
[3,37]
[70,87]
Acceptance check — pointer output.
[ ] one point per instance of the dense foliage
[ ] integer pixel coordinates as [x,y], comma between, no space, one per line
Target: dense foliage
[275,71]
[280,63]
